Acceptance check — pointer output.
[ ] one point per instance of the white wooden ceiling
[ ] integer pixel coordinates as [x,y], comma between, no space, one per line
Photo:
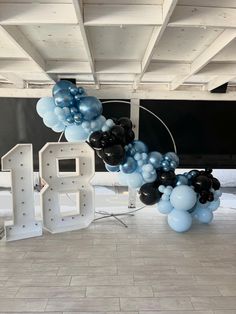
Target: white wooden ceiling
[171,43]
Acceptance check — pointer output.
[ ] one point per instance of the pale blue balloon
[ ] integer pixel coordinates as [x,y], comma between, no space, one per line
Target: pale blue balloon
[155,159]
[164,206]
[179,220]
[129,165]
[44,105]
[146,175]
[59,127]
[183,197]
[63,84]
[203,215]
[134,180]
[50,119]
[214,205]
[75,133]
[181,180]
[59,111]
[152,178]
[90,107]
[138,147]
[112,168]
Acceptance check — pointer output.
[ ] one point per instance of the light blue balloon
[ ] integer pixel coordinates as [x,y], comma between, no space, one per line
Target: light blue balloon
[59,127]
[179,220]
[50,119]
[129,165]
[75,133]
[152,178]
[203,215]
[44,105]
[140,146]
[90,107]
[63,84]
[164,207]
[112,168]
[59,111]
[134,180]
[146,175]
[181,180]
[155,158]
[183,197]
[63,98]
[214,205]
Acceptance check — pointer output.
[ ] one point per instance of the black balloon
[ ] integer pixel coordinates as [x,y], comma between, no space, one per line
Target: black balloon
[114,155]
[95,139]
[210,197]
[107,139]
[125,123]
[215,184]
[119,134]
[149,194]
[167,178]
[129,136]
[201,183]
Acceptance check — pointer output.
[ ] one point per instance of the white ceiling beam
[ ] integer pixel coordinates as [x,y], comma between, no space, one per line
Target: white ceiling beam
[125,92]
[17,81]
[67,66]
[204,58]
[78,7]
[36,13]
[21,41]
[194,16]
[218,81]
[167,9]
[117,14]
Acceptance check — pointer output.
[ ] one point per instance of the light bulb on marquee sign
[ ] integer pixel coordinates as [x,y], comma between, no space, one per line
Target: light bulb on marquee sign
[19,160]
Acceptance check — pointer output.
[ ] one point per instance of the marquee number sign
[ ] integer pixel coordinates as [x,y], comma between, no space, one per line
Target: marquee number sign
[19,160]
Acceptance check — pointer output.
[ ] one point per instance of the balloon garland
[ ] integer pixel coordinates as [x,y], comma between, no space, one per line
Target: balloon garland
[183,197]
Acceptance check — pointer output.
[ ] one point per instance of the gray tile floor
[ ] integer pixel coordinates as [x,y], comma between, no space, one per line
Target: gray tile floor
[145,269]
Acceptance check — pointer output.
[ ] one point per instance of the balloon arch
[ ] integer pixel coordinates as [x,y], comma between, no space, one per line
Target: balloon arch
[193,195]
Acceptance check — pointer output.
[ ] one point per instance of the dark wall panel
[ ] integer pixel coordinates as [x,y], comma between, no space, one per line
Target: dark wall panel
[204,131]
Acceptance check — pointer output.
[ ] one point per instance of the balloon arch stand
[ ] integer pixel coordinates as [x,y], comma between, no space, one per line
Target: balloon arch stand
[186,197]
[132,192]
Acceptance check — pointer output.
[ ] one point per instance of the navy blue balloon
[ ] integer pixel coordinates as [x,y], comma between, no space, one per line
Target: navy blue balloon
[90,107]
[73,90]
[181,180]
[63,98]
[63,84]
[73,110]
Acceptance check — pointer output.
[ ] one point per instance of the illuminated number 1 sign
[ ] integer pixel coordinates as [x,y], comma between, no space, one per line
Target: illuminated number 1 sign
[24,225]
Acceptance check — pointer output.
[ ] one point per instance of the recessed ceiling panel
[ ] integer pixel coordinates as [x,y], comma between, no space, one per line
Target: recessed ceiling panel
[8,49]
[115,43]
[184,44]
[56,41]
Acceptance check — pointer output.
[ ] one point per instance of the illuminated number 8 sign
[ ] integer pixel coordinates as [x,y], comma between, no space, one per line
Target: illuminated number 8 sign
[58,183]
